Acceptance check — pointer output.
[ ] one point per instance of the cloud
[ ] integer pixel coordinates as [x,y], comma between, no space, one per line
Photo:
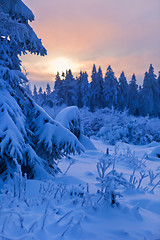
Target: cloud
[124,33]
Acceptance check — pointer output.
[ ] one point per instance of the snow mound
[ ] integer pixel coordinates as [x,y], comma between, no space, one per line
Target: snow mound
[155,153]
[70,118]
[86,142]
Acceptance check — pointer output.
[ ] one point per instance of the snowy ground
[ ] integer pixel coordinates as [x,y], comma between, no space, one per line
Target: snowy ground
[68,207]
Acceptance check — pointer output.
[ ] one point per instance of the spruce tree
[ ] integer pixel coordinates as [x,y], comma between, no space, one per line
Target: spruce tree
[35,94]
[40,91]
[40,96]
[110,88]
[85,89]
[150,94]
[96,90]
[93,85]
[30,140]
[100,90]
[79,90]
[122,93]
[82,90]
[133,96]
[59,90]
[28,88]
[70,97]
[48,89]
[158,80]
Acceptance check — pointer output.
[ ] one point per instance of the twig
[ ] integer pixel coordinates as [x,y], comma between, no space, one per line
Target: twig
[68,213]
[158,183]
[143,175]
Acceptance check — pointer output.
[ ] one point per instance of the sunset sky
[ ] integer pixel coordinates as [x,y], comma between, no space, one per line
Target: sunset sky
[78,33]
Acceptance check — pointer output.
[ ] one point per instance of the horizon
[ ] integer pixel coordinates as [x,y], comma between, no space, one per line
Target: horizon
[123,34]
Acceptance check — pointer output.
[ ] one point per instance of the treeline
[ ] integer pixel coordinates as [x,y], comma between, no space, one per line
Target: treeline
[104,92]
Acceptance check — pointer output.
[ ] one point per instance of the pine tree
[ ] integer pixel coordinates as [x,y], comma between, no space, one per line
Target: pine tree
[133,98]
[110,88]
[29,138]
[122,93]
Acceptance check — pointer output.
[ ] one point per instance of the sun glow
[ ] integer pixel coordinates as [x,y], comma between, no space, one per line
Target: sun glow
[62,64]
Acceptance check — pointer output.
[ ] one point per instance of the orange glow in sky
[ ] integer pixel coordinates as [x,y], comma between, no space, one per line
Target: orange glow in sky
[60,65]
[122,33]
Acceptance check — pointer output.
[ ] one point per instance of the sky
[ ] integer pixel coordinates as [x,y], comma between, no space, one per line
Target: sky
[79,33]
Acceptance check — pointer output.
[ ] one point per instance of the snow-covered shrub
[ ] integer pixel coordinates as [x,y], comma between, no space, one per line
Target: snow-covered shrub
[139,171]
[112,183]
[130,158]
[113,126]
[70,118]
[110,180]
[91,121]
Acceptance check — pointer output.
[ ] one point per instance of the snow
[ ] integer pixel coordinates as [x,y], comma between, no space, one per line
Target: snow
[11,126]
[86,142]
[18,8]
[66,207]
[107,192]
[53,135]
[67,115]
[70,118]
[155,154]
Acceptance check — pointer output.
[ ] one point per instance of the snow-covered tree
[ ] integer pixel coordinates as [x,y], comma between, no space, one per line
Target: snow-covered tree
[92,87]
[110,88]
[48,89]
[28,88]
[83,90]
[122,93]
[35,94]
[150,94]
[96,95]
[96,88]
[158,79]
[40,91]
[29,138]
[48,97]
[59,90]
[101,85]
[40,96]
[70,97]
[133,97]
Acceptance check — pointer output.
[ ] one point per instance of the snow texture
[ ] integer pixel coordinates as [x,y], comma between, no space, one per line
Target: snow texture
[70,118]
[71,208]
